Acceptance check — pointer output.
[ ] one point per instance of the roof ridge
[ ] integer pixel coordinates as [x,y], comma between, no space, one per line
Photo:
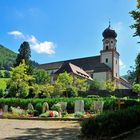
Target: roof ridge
[71,59]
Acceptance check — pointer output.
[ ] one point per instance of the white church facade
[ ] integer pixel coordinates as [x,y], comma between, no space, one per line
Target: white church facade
[102,67]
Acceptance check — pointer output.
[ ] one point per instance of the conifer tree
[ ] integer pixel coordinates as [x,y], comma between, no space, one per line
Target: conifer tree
[24,54]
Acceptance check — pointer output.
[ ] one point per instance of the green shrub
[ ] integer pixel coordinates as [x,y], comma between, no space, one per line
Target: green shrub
[112,123]
[1,93]
[32,111]
[50,114]
[93,96]
[38,107]
[78,114]
[46,114]
[71,92]
[109,104]
[7,74]
[57,107]
[10,115]
[18,110]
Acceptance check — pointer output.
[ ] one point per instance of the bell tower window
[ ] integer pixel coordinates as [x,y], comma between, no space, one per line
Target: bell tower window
[107,47]
[106,60]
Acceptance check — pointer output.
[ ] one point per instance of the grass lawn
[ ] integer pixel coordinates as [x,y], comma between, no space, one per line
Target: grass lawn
[3,83]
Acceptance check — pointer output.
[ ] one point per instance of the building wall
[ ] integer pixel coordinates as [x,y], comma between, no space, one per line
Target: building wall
[100,76]
[107,56]
[116,65]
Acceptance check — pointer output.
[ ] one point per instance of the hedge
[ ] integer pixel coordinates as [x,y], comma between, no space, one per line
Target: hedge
[109,103]
[111,123]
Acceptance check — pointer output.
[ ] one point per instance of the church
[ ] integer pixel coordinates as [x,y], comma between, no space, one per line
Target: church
[101,67]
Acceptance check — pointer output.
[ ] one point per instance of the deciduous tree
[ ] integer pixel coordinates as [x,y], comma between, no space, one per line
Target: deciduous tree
[110,86]
[19,82]
[41,76]
[136,16]
[137,62]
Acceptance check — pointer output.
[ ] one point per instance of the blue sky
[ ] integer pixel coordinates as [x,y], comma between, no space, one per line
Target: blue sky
[66,29]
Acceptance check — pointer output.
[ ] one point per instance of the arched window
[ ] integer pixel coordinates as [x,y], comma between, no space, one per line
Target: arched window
[106,60]
[107,47]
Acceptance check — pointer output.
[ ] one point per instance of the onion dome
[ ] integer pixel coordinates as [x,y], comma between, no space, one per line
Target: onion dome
[109,33]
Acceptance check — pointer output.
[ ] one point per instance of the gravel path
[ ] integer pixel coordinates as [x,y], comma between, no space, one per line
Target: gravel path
[38,130]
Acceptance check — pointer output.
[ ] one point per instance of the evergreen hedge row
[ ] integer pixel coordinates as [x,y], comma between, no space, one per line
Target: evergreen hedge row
[112,123]
[109,103]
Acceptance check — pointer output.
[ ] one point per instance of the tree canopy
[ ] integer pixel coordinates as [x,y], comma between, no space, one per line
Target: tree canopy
[24,53]
[136,16]
[137,62]
[18,85]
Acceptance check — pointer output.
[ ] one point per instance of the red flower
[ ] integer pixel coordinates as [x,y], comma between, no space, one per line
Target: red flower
[51,114]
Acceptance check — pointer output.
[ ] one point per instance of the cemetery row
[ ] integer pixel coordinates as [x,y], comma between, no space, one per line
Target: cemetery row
[62,107]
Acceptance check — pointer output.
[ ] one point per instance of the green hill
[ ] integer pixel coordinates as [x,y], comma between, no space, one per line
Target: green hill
[7,57]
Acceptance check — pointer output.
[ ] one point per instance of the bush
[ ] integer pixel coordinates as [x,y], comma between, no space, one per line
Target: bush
[32,111]
[71,92]
[7,74]
[1,93]
[109,104]
[78,114]
[111,123]
[38,107]
[57,107]
[1,74]
[50,114]
[136,88]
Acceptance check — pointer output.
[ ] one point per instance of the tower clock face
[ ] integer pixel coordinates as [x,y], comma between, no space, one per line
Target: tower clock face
[107,41]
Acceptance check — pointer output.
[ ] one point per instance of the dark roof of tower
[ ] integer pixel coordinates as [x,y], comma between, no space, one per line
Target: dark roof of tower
[86,63]
[109,33]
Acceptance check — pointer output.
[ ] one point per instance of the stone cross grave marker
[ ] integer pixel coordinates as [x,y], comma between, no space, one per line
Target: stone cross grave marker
[30,106]
[79,106]
[5,108]
[63,106]
[120,103]
[45,107]
[98,106]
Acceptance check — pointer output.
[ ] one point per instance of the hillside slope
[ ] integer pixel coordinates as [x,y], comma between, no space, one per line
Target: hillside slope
[7,57]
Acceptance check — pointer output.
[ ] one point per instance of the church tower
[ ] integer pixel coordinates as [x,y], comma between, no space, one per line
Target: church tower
[109,54]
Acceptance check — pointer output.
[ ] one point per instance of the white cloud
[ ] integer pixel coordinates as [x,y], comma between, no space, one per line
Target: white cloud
[44,47]
[16,34]
[32,39]
[121,64]
[39,47]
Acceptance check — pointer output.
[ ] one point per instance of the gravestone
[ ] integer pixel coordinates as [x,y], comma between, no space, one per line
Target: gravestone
[120,103]
[63,106]
[79,106]
[5,108]
[98,106]
[45,107]
[30,106]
